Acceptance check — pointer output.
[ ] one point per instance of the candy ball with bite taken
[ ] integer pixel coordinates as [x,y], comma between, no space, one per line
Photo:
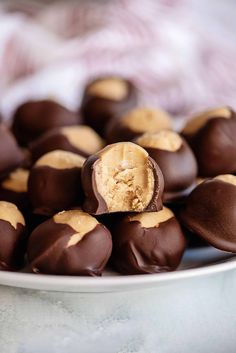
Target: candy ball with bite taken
[122,178]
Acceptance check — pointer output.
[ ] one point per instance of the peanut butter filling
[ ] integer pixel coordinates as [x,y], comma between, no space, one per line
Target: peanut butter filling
[110,88]
[81,222]
[59,159]
[147,120]
[84,138]
[199,120]
[228,178]
[17,181]
[165,140]
[10,213]
[152,219]
[124,177]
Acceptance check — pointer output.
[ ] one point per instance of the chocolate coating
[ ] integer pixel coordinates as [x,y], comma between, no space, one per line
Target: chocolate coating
[179,168]
[27,163]
[214,146]
[13,237]
[34,118]
[210,212]
[174,197]
[11,155]
[52,190]
[94,202]
[116,132]
[55,139]
[50,141]
[136,122]
[176,206]
[55,182]
[34,220]
[97,111]
[12,246]
[18,195]
[194,241]
[140,250]
[48,250]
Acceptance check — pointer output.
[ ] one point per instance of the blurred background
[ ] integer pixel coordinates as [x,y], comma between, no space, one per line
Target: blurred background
[180,53]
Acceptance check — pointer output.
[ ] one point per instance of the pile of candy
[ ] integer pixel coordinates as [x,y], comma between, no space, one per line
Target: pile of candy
[113,183]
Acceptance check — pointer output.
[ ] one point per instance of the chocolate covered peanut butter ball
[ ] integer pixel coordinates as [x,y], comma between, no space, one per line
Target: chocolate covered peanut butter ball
[175,159]
[14,189]
[11,156]
[105,98]
[136,122]
[70,243]
[12,237]
[211,135]
[210,212]
[55,182]
[122,178]
[34,118]
[80,139]
[148,242]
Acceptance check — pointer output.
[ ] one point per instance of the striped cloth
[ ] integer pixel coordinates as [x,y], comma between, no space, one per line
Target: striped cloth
[180,53]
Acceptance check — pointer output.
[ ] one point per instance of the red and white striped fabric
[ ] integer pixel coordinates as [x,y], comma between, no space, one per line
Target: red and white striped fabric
[181,54]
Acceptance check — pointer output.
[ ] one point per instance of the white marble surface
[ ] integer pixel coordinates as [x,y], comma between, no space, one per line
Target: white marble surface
[194,315]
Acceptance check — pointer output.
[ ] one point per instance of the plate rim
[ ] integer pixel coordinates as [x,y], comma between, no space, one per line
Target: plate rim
[110,283]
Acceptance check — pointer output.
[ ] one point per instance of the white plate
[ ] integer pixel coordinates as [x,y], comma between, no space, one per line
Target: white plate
[196,262]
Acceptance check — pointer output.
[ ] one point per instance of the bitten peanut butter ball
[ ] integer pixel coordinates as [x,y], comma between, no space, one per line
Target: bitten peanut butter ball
[148,243]
[211,135]
[210,212]
[174,157]
[34,118]
[105,98]
[122,178]
[80,139]
[12,237]
[135,123]
[55,182]
[70,243]
[14,189]
[11,156]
